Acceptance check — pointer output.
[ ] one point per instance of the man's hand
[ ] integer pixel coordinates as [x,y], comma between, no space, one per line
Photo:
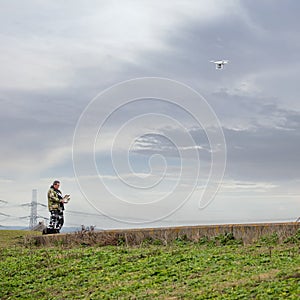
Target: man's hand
[66,198]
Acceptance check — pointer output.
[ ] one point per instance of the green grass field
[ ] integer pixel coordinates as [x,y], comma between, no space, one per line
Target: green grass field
[181,270]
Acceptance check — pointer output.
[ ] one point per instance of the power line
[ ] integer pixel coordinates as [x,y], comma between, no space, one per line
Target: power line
[5,215]
[30,204]
[84,213]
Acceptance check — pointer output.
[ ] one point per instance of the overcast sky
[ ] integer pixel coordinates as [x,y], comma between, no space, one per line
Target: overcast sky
[144,152]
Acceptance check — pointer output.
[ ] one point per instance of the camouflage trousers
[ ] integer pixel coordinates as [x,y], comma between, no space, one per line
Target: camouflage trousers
[56,219]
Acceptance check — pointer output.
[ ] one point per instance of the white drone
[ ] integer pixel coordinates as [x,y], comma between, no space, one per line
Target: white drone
[220,63]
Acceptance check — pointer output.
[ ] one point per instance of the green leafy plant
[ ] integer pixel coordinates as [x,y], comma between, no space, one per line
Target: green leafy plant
[294,239]
[269,240]
[182,269]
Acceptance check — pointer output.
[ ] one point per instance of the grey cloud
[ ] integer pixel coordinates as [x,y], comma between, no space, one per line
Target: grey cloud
[274,15]
[34,125]
[257,153]
[249,111]
[263,140]
[262,62]
[55,62]
[264,154]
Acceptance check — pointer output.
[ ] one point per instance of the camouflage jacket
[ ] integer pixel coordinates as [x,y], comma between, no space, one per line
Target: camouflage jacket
[54,198]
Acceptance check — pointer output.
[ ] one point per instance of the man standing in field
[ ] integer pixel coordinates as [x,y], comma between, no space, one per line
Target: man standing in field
[56,208]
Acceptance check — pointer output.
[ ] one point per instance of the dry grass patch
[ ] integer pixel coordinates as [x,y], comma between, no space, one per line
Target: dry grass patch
[9,238]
